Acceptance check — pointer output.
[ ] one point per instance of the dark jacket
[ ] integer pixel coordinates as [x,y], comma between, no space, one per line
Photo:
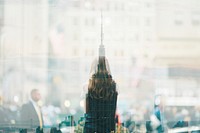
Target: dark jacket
[28,115]
[3,116]
[157,113]
[100,115]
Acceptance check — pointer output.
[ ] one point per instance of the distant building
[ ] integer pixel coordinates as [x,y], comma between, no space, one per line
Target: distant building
[24,47]
[51,44]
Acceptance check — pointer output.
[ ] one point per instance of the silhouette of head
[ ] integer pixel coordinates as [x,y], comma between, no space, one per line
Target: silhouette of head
[35,95]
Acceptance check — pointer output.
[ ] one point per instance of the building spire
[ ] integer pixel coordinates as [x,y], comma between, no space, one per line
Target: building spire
[101,47]
[101,28]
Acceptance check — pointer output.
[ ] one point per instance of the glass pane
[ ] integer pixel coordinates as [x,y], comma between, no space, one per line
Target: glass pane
[49,57]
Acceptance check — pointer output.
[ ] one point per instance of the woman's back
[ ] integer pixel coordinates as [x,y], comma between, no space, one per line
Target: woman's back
[101,99]
[100,114]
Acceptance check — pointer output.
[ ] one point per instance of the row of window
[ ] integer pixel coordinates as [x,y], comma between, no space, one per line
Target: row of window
[194,22]
[131,21]
[121,39]
[111,5]
[148,21]
[91,52]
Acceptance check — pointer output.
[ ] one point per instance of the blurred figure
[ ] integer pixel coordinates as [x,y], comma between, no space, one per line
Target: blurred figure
[101,99]
[158,116]
[195,114]
[182,115]
[3,114]
[117,118]
[129,123]
[31,114]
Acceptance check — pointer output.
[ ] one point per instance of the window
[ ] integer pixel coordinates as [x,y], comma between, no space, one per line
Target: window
[148,5]
[148,21]
[54,48]
[179,18]
[75,52]
[90,21]
[75,21]
[195,19]
[195,22]
[108,6]
[1,13]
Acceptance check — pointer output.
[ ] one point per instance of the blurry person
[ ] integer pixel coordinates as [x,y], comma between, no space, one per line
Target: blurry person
[117,118]
[31,114]
[158,116]
[129,123]
[195,115]
[3,113]
[101,99]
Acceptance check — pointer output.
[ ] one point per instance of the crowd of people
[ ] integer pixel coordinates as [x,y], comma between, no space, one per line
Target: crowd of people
[133,119]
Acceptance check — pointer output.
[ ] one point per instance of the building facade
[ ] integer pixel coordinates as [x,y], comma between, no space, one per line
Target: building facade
[50,44]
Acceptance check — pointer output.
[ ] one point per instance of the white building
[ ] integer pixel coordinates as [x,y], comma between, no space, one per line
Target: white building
[139,35]
[177,49]
[24,48]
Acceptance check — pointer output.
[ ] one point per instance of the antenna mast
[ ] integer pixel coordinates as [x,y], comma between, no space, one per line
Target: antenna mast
[101,47]
[101,28]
